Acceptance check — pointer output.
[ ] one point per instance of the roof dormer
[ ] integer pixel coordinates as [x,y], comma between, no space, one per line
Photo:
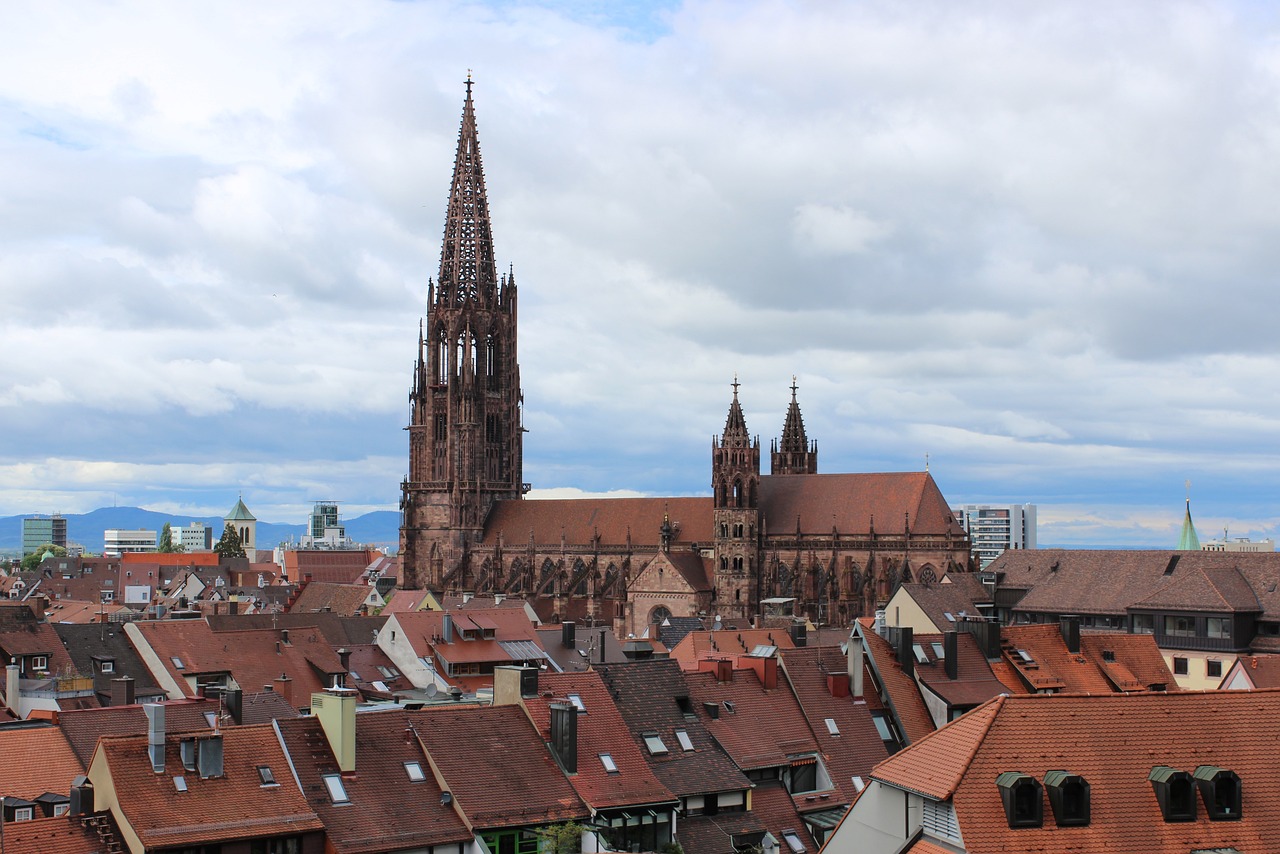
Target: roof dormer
[1023,804]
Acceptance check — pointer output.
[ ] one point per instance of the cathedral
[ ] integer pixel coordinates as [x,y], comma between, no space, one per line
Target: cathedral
[831,547]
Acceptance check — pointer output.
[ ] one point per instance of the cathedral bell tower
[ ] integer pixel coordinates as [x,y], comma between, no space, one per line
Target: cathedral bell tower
[735,485]
[465,432]
[795,454]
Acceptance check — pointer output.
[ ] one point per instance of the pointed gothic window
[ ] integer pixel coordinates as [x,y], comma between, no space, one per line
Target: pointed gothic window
[442,359]
[491,362]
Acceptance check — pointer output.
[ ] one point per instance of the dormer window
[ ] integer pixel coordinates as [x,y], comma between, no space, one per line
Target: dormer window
[39,662]
[1023,804]
[1068,797]
[1221,791]
[107,666]
[1175,792]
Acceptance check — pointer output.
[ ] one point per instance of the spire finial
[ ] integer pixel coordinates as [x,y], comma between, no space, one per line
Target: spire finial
[1188,490]
[468,84]
[735,385]
[793,387]
[926,460]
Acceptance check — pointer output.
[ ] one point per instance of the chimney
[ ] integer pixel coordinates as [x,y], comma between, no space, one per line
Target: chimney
[284,635]
[12,691]
[854,656]
[81,797]
[564,735]
[209,756]
[766,669]
[800,634]
[511,683]
[336,709]
[878,625]
[447,631]
[155,735]
[344,659]
[233,607]
[567,637]
[1070,626]
[721,668]
[951,654]
[233,699]
[986,633]
[122,691]
[284,687]
[838,684]
[906,652]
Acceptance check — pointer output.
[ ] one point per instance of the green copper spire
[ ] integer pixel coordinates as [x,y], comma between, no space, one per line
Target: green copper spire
[1187,540]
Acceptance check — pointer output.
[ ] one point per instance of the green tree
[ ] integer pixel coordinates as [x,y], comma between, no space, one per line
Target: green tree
[166,544]
[229,545]
[563,838]
[32,560]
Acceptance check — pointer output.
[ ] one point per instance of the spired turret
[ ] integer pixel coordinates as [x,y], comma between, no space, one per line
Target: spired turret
[795,454]
[735,484]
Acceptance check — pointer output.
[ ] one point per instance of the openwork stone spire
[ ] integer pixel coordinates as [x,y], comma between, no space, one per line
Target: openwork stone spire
[466,260]
[735,426]
[794,454]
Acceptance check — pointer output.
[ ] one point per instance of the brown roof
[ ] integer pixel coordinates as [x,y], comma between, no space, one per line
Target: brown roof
[1136,664]
[650,695]
[59,835]
[337,630]
[83,727]
[1202,588]
[601,729]
[1113,741]
[901,691]
[245,808]
[335,565]
[343,599]
[36,760]
[697,646]
[975,683]
[579,520]
[1262,671]
[958,593]
[22,634]
[777,812]
[854,503]
[519,785]
[388,810]
[404,600]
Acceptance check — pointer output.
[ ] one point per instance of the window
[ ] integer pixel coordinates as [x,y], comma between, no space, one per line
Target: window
[653,741]
[61,809]
[1179,665]
[938,651]
[1023,804]
[388,672]
[576,699]
[610,767]
[177,663]
[280,845]
[337,792]
[920,654]
[180,783]
[1143,624]
[1026,657]
[1109,656]
[1069,798]
[794,844]
[266,776]
[882,726]
[1174,793]
[686,743]
[804,776]
[39,662]
[1180,627]
[1213,668]
[832,727]
[1220,789]
[414,770]
[108,667]
[1218,627]
[211,718]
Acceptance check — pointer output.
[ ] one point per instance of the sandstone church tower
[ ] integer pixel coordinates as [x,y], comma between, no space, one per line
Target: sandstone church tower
[465,433]
[735,484]
[795,454]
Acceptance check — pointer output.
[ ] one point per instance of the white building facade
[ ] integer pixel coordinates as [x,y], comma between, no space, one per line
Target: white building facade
[995,528]
[116,542]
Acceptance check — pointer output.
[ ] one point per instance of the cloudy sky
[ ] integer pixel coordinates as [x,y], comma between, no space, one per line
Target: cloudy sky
[1036,243]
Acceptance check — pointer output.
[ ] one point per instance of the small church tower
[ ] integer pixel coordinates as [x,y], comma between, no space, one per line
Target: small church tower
[245,524]
[735,484]
[795,454]
[465,432]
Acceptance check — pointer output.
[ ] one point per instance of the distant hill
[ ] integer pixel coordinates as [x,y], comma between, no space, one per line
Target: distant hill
[380,528]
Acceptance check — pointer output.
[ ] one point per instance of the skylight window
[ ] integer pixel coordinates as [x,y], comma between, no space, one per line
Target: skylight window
[938,651]
[180,783]
[414,770]
[354,675]
[921,657]
[379,685]
[686,743]
[211,718]
[951,618]
[337,792]
[389,672]
[610,766]
[653,741]
[576,699]
[832,727]
[266,775]
[794,843]
[1026,656]
[858,783]
[177,662]
[882,727]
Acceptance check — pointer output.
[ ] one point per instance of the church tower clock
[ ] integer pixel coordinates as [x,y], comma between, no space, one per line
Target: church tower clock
[465,432]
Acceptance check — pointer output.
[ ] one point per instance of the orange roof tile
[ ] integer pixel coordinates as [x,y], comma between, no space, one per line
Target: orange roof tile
[578,520]
[36,761]
[697,646]
[890,498]
[903,694]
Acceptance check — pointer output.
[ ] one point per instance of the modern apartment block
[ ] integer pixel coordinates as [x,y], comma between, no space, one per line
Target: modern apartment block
[38,531]
[995,528]
[196,537]
[116,542]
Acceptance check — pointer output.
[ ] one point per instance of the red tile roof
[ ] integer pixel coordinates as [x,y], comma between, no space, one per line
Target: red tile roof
[245,808]
[58,835]
[36,761]
[601,729]
[810,501]
[387,811]
[1052,667]
[1113,741]
[776,810]
[697,646]
[974,683]
[344,599]
[83,727]
[505,776]
[578,520]
[903,694]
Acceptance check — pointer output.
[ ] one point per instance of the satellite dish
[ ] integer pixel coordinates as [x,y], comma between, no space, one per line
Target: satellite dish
[432,690]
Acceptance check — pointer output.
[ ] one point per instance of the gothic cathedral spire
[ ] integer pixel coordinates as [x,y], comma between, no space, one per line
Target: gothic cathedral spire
[794,454]
[735,484]
[465,432]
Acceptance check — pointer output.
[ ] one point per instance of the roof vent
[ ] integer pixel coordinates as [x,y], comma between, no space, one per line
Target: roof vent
[1221,791]
[1068,797]
[1175,793]
[1023,804]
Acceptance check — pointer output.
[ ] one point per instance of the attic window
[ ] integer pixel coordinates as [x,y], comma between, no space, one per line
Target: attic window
[921,657]
[653,741]
[832,727]
[337,792]
[685,704]
[180,783]
[1221,791]
[107,667]
[1109,656]
[938,651]
[794,843]
[610,766]
[951,618]
[1174,792]
[414,770]
[266,776]
[1023,804]
[355,676]
[211,718]
[1026,657]
[882,726]
[577,703]
[1068,797]
[177,662]
[389,672]
[686,743]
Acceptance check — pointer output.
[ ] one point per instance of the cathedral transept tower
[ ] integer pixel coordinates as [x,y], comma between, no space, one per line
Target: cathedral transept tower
[465,432]
[735,484]
[795,454]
